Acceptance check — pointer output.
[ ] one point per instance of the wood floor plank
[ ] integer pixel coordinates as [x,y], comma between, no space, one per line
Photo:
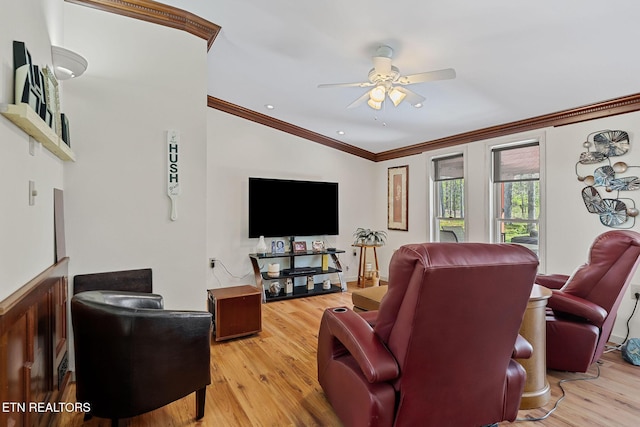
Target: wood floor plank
[270,379]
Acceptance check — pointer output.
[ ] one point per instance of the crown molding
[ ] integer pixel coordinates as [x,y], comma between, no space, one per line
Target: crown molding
[157,13]
[245,113]
[612,107]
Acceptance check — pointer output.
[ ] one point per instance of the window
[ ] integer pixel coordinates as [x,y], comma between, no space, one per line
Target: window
[448,201]
[516,194]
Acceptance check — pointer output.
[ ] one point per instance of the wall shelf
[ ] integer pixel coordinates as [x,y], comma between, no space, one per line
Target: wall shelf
[29,121]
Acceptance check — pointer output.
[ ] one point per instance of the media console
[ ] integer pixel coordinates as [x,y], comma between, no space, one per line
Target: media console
[291,272]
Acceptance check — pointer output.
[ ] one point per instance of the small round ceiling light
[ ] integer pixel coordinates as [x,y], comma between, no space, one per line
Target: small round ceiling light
[269,106]
[340,132]
[67,64]
[418,105]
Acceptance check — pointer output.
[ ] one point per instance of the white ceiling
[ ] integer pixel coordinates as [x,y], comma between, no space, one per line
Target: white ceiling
[514,60]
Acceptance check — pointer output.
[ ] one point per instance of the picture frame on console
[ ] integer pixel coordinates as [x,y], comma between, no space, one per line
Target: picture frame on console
[278,246]
[317,245]
[299,246]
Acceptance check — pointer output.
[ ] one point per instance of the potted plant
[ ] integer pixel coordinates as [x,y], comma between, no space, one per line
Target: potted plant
[366,236]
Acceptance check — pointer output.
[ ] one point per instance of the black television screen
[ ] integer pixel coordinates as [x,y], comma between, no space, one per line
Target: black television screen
[283,208]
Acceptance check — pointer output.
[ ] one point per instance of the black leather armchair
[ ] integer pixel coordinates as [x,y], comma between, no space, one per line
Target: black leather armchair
[132,356]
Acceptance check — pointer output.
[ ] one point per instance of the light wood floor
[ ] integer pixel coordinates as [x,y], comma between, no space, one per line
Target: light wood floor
[269,379]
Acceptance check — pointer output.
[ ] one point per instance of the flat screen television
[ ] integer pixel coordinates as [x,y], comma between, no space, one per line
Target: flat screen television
[287,208]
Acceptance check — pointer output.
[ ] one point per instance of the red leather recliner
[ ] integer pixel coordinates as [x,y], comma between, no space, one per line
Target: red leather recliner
[582,310]
[441,348]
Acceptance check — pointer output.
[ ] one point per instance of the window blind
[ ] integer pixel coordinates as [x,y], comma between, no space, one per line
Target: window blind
[447,168]
[518,163]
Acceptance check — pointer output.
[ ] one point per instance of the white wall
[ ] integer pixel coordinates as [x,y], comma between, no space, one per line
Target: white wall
[116,208]
[239,149]
[26,232]
[143,79]
[417,207]
[569,229]
[117,192]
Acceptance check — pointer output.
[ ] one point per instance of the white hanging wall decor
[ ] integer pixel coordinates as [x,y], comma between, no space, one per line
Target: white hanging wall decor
[173,183]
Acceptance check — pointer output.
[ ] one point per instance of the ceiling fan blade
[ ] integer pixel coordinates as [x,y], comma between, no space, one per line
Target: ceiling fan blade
[360,84]
[411,97]
[359,101]
[429,76]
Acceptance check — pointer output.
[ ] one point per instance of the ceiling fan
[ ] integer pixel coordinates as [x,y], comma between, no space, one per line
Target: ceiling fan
[387,82]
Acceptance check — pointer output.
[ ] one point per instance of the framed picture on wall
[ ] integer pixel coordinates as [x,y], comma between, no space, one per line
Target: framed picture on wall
[398,198]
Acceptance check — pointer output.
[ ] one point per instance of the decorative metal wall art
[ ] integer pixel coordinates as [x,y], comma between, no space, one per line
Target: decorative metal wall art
[614,212]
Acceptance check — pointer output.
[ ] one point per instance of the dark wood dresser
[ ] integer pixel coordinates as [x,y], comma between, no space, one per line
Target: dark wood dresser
[34,348]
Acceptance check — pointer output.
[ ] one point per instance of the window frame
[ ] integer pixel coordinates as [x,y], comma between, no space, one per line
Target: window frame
[434,201]
[494,202]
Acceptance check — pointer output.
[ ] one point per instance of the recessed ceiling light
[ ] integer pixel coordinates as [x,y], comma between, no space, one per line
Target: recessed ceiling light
[340,132]
[418,105]
[269,106]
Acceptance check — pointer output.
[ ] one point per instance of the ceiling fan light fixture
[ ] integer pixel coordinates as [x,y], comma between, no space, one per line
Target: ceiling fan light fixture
[384,80]
[377,93]
[376,105]
[396,96]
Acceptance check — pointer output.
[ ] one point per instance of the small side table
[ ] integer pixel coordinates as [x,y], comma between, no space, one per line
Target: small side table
[237,311]
[362,280]
[534,329]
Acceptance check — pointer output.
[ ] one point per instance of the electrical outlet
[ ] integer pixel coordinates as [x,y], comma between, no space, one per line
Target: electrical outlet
[212,262]
[634,289]
[346,268]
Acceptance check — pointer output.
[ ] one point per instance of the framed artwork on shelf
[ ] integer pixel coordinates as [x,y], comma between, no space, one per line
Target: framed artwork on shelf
[277,246]
[66,137]
[52,95]
[398,198]
[299,247]
[27,80]
[317,245]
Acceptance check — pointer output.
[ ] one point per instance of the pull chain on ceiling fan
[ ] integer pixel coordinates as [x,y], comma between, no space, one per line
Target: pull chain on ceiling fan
[387,82]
